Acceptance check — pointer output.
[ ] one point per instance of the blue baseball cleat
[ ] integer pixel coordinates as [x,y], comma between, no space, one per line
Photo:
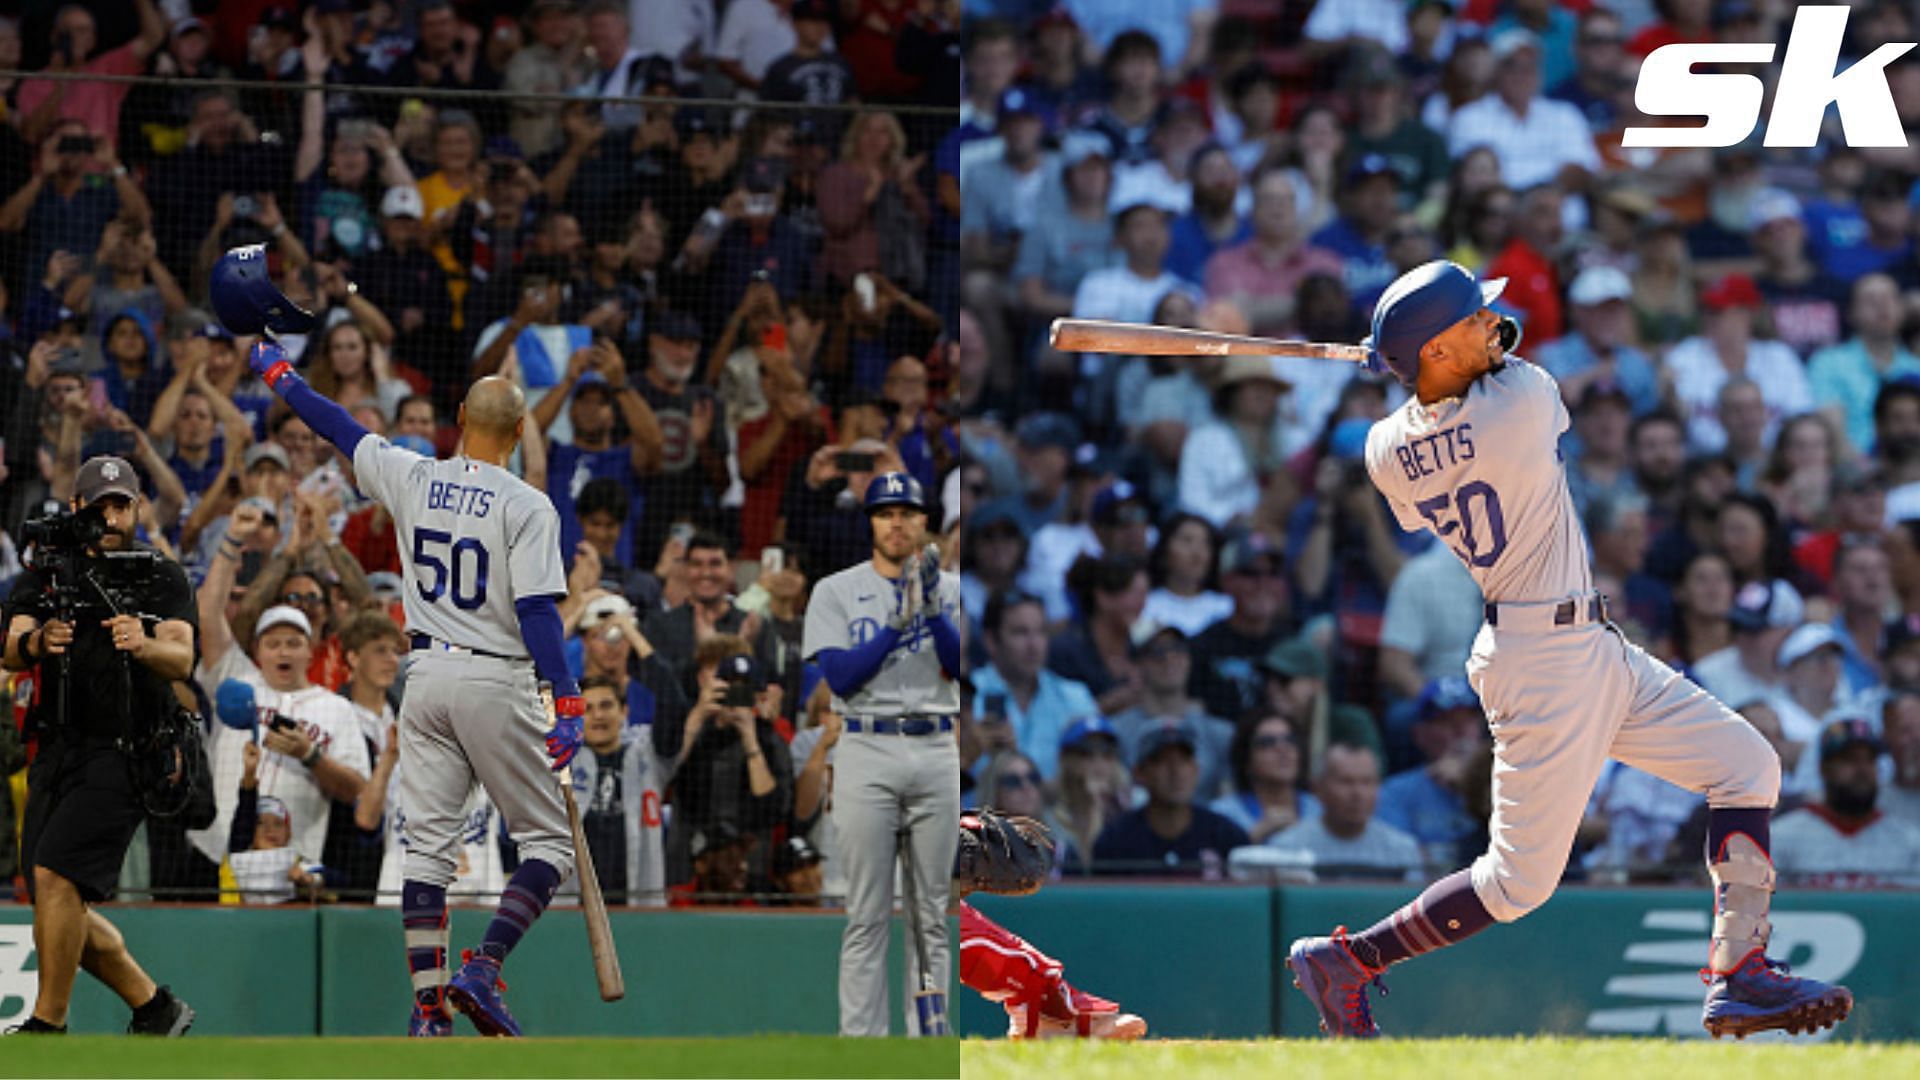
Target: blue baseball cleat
[475,991]
[430,1022]
[1325,969]
[1760,995]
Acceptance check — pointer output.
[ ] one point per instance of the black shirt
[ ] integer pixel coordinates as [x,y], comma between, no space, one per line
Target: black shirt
[604,821]
[1130,846]
[109,687]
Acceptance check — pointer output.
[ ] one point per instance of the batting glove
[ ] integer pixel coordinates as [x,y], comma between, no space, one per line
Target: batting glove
[930,579]
[906,597]
[564,740]
[269,361]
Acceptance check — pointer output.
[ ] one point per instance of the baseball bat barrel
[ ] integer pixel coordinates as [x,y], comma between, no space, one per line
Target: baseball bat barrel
[593,905]
[930,1001]
[1135,339]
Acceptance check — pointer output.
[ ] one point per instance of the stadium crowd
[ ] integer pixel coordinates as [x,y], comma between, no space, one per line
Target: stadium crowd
[730,305]
[1202,645]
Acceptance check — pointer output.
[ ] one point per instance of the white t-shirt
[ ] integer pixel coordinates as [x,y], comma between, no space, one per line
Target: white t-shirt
[1191,614]
[1384,21]
[324,717]
[1698,376]
[479,877]
[755,33]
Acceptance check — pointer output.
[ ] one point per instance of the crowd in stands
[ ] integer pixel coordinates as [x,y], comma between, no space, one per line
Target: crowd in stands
[730,303]
[1202,645]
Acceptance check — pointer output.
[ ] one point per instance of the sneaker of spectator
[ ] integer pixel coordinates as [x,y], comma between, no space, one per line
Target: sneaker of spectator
[1171,835]
[1539,140]
[1843,839]
[1268,772]
[1900,728]
[1163,657]
[1348,839]
[1226,654]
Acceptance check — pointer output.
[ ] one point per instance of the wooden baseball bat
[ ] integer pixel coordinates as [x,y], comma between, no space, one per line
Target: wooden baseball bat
[1134,339]
[930,1002]
[606,959]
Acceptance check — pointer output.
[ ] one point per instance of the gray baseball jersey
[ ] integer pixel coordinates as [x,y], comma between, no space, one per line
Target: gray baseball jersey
[847,610]
[475,538]
[1481,472]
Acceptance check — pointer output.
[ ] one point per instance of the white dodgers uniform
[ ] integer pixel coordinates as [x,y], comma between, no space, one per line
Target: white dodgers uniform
[1563,690]
[476,538]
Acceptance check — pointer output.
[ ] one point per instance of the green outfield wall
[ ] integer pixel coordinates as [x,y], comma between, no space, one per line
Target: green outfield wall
[1196,961]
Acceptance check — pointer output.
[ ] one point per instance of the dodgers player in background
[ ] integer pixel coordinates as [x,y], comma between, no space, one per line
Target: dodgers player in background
[485,572]
[1472,458]
[884,637]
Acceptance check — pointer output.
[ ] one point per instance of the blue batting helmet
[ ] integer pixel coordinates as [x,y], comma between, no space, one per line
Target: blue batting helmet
[895,489]
[246,299]
[1420,304]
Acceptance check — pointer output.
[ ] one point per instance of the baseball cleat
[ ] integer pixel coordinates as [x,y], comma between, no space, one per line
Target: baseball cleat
[475,991]
[1113,1024]
[1325,969]
[1761,995]
[165,1015]
[430,1023]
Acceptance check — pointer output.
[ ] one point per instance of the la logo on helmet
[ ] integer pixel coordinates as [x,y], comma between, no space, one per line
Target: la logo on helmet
[1669,86]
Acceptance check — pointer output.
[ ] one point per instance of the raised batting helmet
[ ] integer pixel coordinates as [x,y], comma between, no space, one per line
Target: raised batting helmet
[895,489]
[246,299]
[1423,302]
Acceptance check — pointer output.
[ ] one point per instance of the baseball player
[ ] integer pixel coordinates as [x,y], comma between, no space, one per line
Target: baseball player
[484,566]
[884,636]
[1471,457]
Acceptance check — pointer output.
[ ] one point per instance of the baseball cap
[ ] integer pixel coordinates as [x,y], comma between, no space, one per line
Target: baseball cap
[1241,552]
[1048,429]
[505,147]
[763,176]
[690,121]
[266,451]
[1120,503]
[1771,205]
[212,330]
[657,72]
[279,17]
[282,615]
[1601,390]
[1848,732]
[1804,641]
[739,668]
[1159,738]
[1295,658]
[1367,166]
[605,607]
[103,476]
[1598,285]
[1085,728]
[1018,102]
[187,25]
[403,200]
[1731,291]
[1147,630]
[797,852]
[1446,694]
[1510,41]
[993,515]
[1760,605]
[715,836]
[809,9]
[591,380]
[266,806]
[675,326]
[1078,146]
[386,584]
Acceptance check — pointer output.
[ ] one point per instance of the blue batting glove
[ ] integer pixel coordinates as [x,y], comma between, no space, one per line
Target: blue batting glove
[269,361]
[563,741]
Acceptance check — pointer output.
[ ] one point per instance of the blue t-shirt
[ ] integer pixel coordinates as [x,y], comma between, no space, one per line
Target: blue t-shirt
[569,469]
[1189,247]
[1417,804]
[1368,270]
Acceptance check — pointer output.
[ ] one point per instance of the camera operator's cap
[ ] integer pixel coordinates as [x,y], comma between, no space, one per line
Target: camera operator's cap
[1845,734]
[269,807]
[675,326]
[1599,285]
[797,852]
[103,476]
[403,200]
[717,835]
[266,451]
[738,668]
[605,607]
[282,615]
[1295,658]
[1088,727]
[1445,694]
[1159,738]
[1804,641]
[1771,205]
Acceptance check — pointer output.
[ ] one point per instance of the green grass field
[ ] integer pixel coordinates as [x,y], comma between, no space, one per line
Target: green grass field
[1426,1059]
[773,1055]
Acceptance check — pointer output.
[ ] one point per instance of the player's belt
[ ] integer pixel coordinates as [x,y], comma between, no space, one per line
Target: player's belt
[1542,617]
[906,725]
[423,643]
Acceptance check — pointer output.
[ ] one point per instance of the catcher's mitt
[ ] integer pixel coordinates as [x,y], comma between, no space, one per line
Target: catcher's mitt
[1001,853]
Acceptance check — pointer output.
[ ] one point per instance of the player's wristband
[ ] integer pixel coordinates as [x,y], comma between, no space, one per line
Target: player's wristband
[570,705]
[280,370]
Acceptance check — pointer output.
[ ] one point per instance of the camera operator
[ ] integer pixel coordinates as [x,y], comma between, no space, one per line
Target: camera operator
[106,623]
[730,765]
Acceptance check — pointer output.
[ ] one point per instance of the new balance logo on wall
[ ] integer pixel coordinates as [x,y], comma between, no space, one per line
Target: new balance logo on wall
[1809,82]
[17,984]
[1663,974]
